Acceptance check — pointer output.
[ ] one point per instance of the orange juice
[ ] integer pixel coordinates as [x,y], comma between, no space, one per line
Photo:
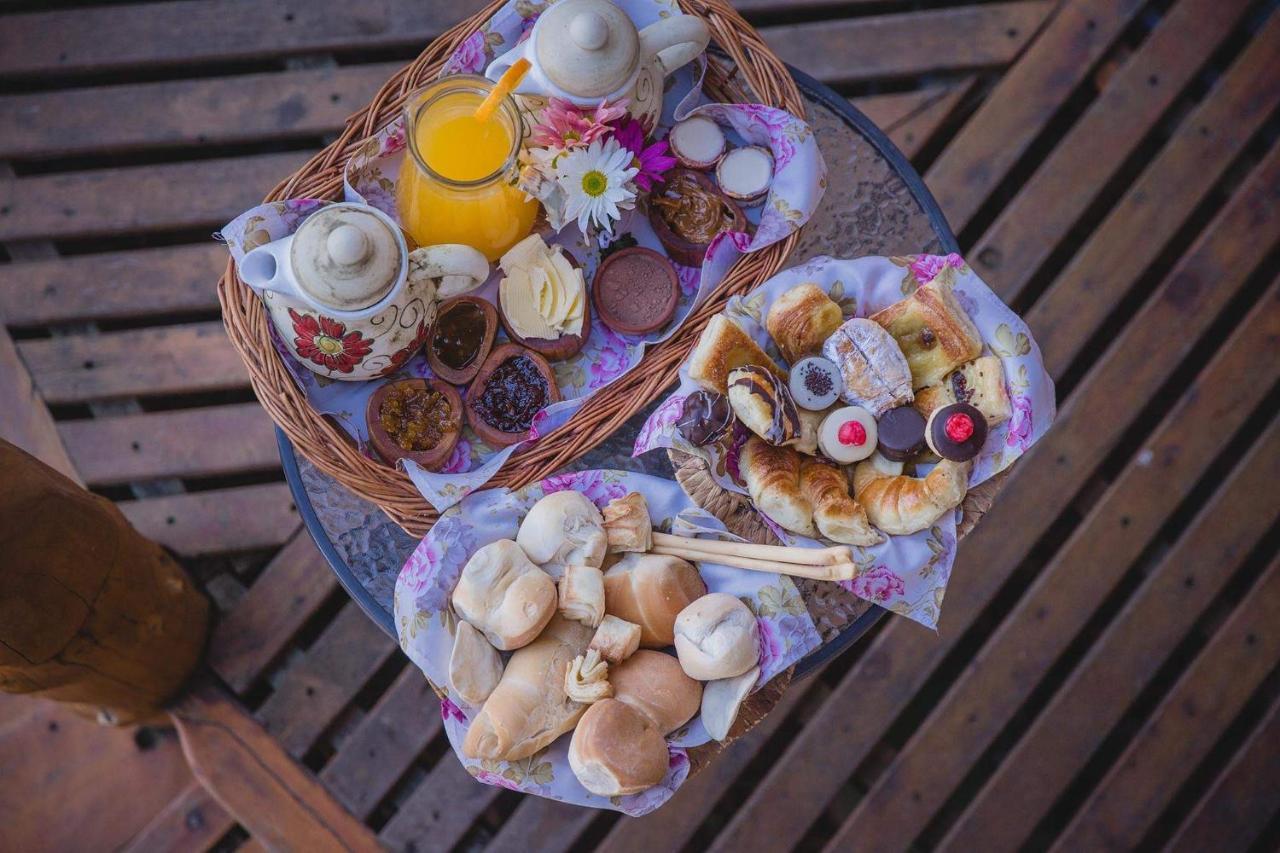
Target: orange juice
[457,185]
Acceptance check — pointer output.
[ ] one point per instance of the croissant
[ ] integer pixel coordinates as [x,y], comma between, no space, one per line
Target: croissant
[899,504]
[838,516]
[773,481]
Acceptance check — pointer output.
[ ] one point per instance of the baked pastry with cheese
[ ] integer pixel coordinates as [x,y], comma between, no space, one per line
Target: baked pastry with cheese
[933,331]
[800,320]
[723,347]
[980,383]
[901,505]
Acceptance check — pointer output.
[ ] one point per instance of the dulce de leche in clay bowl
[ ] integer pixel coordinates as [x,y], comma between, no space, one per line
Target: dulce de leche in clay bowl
[418,419]
[513,385]
[635,291]
[461,337]
[689,212]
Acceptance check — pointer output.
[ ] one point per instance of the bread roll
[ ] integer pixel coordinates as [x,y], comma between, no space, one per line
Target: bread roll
[504,595]
[933,331]
[875,372]
[722,347]
[772,475]
[616,750]
[627,524]
[654,684]
[582,594]
[529,708]
[649,590]
[564,528]
[836,514]
[616,639]
[587,678]
[980,383]
[475,667]
[721,700]
[902,505]
[800,320]
[717,637]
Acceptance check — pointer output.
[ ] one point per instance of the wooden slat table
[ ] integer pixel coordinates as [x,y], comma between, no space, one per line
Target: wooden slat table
[1105,673]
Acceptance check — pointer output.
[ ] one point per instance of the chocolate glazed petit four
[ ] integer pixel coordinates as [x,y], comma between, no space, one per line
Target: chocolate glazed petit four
[705,418]
[900,433]
[956,432]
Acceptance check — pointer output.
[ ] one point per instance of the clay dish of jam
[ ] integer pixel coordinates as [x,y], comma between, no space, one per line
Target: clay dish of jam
[635,291]
[461,337]
[418,419]
[687,213]
[513,385]
[555,349]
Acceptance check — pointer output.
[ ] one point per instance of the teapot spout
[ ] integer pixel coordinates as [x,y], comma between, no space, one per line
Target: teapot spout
[266,268]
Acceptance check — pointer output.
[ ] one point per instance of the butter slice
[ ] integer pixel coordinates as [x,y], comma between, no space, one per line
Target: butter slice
[542,294]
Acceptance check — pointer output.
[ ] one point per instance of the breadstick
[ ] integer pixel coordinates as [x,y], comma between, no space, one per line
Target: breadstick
[840,571]
[778,553]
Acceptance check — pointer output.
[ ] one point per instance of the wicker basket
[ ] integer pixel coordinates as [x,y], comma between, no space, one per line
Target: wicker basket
[752,72]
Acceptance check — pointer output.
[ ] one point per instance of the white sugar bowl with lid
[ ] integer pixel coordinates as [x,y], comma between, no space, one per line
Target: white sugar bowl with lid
[586,51]
[347,298]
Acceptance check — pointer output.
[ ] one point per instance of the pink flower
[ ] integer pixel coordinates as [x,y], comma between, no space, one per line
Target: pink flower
[610,362]
[926,267]
[772,647]
[460,460]
[653,161]
[564,125]
[421,566]
[1020,424]
[690,278]
[490,778]
[591,483]
[470,57]
[879,584]
[666,415]
[450,711]
[538,425]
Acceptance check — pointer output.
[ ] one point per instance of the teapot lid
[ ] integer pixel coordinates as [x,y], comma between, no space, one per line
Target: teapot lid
[346,258]
[588,48]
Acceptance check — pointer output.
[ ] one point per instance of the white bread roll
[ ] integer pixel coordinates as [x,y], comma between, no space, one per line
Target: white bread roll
[529,708]
[649,590]
[561,529]
[717,637]
[475,667]
[582,594]
[504,595]
[654,684]
[721,700]
[616,639]
[616,750]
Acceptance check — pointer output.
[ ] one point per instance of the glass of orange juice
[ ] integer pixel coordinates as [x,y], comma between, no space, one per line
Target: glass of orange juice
[458,184]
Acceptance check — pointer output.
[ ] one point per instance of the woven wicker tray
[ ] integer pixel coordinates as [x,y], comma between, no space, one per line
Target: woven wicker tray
[749,72]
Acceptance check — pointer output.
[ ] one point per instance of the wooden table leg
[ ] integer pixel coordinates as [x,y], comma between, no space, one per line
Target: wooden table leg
[91,613]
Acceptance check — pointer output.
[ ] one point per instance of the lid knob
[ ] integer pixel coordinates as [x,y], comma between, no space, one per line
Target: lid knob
[589,31]
[347,245]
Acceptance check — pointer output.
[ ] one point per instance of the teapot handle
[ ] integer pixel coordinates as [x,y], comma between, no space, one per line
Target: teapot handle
[675,41]
[499,66]
[267,268]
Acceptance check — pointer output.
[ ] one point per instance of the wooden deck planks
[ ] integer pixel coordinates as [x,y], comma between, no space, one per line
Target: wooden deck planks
[1184,727]
[192,821]
[224,521]
[442,808]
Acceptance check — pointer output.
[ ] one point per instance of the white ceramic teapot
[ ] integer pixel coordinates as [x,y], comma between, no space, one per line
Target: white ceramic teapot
[347,297]
[586,51]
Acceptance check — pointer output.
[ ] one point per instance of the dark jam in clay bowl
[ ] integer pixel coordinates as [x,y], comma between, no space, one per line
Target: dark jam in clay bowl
[513,385]
[418,419]
[461,338]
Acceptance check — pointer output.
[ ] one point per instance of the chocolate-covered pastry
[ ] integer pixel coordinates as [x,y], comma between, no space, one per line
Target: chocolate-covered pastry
[705,418]
[764,405]
[956,432]
[900,433]
[815,383]
[876,374]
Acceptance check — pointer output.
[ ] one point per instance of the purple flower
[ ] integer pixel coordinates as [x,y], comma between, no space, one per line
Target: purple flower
[537,426]
[772,646]
[926,267]
[1020,424]
[690,279]
[610,360]
[652,160]
[591,483]
[450,711]
[666,415]
[469,58]
[879,584]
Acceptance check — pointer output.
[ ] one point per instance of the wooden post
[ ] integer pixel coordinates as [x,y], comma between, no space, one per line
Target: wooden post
[91,613]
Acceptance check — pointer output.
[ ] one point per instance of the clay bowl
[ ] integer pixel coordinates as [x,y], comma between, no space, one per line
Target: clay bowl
[663,276]
[490,434]
[682,251]
[565,346]
[461,376]
[385,446]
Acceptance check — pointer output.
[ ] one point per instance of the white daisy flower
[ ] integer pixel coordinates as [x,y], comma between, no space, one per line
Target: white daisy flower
[597,183]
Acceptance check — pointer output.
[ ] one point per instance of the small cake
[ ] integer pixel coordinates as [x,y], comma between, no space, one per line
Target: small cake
[705,418]
[848,435]
[697,142]
[745,174]
[636,291]
[762,402]
[900,433]
[815,383]
[956,432]
[875,372]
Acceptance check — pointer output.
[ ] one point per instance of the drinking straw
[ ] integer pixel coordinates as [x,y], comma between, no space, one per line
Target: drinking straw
[505,86]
